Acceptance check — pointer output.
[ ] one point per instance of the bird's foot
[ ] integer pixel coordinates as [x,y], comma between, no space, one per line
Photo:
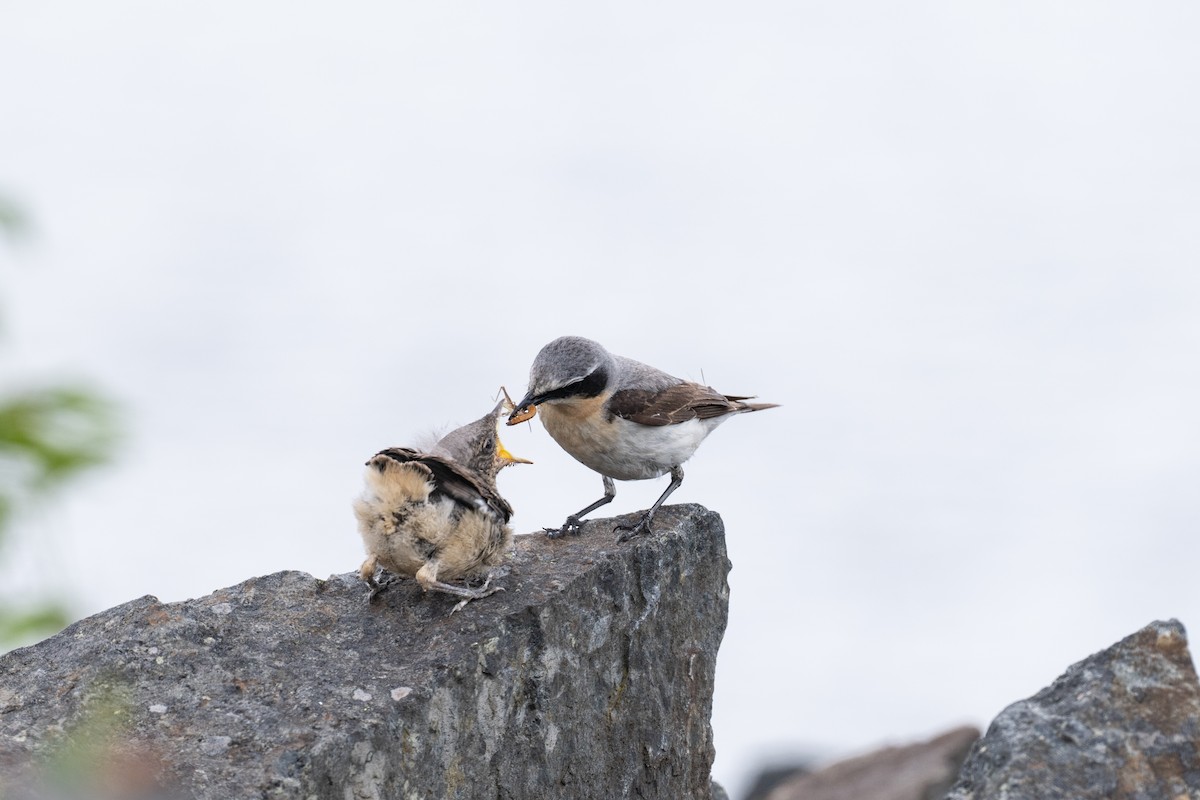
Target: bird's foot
[571,527]
[468,594]
[627,532]
[378,587]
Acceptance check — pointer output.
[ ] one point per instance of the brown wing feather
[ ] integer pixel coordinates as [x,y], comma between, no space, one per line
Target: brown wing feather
[452,480]
[676,404]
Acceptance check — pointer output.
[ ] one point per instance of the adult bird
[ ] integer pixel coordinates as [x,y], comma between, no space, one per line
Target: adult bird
[437,516]
[624,419]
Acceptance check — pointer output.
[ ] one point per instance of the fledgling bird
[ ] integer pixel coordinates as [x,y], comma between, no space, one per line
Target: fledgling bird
[624,419]
[437,516]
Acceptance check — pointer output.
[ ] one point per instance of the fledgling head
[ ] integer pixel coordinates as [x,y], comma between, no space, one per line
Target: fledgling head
[568,367]
[477,446]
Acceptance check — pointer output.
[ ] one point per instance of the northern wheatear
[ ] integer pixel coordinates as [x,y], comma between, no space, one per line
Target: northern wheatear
[624,419]
[437,515]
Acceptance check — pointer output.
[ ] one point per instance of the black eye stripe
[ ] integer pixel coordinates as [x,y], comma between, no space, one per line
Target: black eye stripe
[590,386]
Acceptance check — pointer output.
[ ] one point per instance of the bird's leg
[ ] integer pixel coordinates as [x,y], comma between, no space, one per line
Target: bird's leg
[368,571]
[574,522]
[469,594]
[427,577]
[627,532]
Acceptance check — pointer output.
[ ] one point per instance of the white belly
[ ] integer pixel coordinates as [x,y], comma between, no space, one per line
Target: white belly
[619,448]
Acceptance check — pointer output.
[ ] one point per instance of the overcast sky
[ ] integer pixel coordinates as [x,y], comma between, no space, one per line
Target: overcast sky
[957,242]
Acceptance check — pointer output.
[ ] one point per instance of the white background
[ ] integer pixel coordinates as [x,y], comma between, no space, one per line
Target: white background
[958,243]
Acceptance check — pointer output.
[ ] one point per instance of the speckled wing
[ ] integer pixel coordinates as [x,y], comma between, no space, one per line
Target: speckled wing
[675,404]
[453,481]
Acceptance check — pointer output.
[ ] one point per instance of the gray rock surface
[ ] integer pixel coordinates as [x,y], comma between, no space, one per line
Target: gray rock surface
[776,774]
[1123,724]
[913,772]
[590,677]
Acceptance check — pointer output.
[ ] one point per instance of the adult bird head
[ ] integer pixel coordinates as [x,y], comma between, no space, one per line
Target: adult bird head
[569,367]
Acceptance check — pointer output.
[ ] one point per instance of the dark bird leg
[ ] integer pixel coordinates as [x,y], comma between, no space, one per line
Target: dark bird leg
[627,532]
[574,523]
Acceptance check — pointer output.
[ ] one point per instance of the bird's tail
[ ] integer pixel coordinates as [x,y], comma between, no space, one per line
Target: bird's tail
[743,406]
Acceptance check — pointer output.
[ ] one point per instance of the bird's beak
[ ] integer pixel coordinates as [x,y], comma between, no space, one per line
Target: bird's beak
[516,413]
[506,457]
[524,410]
[521,414]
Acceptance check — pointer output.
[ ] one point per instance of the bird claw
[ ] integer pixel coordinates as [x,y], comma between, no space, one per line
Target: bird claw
[477,594]
[378,587]
[627,532]
[571,527]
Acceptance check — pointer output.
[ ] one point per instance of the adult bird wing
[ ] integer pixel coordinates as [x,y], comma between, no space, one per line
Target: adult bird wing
[675,404]
[451,479]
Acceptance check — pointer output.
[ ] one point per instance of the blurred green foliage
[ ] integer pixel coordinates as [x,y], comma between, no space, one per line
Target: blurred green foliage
[94,754]
[29,624]
[48,435]
[81,749]
[13,221]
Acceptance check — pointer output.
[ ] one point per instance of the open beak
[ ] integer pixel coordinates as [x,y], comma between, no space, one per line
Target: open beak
[507,457]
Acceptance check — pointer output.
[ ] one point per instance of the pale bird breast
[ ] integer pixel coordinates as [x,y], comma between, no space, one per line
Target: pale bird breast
[617,447]
[579,426]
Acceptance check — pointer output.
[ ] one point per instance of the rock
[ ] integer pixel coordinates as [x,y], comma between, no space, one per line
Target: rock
[768,777]
[913,772]
[1123,724]
[590,677]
